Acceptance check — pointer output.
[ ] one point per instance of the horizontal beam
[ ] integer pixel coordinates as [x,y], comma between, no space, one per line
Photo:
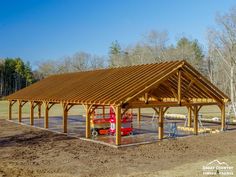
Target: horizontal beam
[165,104]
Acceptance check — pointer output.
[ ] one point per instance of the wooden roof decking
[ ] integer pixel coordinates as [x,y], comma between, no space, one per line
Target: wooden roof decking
[157,83]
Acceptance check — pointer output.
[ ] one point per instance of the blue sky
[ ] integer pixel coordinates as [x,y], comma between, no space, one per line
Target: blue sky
[38,30]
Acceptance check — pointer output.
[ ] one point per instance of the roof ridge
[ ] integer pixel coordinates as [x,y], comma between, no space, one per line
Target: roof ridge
[112,85]
[116,67]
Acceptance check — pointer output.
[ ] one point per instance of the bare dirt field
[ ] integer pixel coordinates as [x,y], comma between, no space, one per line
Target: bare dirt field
[26,151]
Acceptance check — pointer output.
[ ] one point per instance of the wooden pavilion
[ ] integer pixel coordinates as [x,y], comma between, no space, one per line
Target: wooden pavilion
[158,86]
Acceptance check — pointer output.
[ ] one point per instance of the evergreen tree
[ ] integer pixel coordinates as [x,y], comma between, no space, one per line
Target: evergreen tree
[115,54]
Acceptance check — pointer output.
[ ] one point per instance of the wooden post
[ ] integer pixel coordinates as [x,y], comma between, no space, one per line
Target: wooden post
[88,131]
[10,110]
[189,117]
[46,110]
[31,113]
[65,116]
[19,111]
[103,111]
[139,115]
[179,86]
[195,120]
[91,114]
[118,125]
[223,117]
[39,110]
[161,124]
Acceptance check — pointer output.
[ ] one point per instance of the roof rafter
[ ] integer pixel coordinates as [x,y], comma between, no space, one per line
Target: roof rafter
[165,83]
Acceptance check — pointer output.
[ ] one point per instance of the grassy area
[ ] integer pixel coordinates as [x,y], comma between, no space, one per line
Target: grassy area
[206,111]
[56,110]
[3,109]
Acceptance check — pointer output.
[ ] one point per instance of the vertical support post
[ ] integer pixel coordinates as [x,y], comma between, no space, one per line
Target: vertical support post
[195,120]
[19,110]
[39,110]
[65,116]
[46,110]
[189,117]
[103,111]
[88,131]
[223,117]
[10,110]
[92,114]
[118,125]
[139,115]
[31,113]
[179,86]
[161,124]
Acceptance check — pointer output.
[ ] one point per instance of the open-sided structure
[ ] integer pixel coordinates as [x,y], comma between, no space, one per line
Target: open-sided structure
[158,86]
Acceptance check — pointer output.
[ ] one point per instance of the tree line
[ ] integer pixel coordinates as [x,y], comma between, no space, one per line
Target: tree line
[15,74]
[216,61]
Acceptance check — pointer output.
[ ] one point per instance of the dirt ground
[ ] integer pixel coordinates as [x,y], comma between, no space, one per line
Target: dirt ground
[26,151]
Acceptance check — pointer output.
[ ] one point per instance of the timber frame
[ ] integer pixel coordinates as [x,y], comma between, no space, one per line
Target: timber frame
[158,86]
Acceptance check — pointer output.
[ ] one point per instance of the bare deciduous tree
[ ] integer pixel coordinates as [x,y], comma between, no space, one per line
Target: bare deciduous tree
[222,46]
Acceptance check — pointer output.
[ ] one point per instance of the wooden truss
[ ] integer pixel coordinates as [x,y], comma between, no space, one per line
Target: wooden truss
[157,86]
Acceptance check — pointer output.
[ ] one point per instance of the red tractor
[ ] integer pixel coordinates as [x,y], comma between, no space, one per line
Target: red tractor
[103,123]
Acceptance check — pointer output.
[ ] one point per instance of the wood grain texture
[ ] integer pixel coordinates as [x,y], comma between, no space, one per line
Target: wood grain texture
[115,86]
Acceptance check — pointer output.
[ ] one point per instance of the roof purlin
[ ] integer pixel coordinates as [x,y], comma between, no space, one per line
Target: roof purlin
[90,87]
